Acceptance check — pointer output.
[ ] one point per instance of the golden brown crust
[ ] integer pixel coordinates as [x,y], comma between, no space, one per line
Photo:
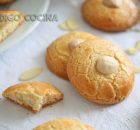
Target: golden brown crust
[93,85]
[64,124]
[58,52]
[89,127]
[8,27]
[110,19]
[6,1]
[32,89]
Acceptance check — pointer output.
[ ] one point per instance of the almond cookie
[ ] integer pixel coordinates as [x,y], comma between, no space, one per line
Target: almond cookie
[9,22]
[59,51]
[6,1]
[110,15]
[64,124]
[101,72]
[33,95]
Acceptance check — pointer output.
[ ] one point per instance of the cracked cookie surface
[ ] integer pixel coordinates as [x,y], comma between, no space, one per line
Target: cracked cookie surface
[106,18]
[64,124]
[102,86]
[59,51]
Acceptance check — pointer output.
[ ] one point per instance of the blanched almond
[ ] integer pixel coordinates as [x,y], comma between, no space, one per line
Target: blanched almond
[107,65]
[137,69]
[63,26]
[69,25]
[30,74]
[112,3]
[137,46]
[74,43]
[131,51]
[72,24]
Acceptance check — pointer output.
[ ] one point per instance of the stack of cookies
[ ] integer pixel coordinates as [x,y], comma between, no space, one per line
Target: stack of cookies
[98,69]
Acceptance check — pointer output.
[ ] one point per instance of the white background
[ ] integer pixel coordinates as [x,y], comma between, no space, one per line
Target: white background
[31,52]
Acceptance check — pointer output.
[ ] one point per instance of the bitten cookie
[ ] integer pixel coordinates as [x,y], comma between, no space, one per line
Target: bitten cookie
[10,22]
[33,95]
[110,15]
[59,51]
[6,1]
[101,72]
[63,124]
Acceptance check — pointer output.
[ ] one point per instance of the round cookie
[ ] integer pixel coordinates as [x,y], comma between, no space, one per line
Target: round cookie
[63,124]
[101,72]
[6,1]
[59,51]
[110,15]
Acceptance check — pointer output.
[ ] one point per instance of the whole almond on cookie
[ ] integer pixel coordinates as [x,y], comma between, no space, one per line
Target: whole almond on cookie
[107,65]
[101,72]
[113,3]
[74,43]
[58,52]
[110,15]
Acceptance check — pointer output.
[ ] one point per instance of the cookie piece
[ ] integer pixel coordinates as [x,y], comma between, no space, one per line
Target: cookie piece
[59,51]
[33,95]
[110,15]
[9,22]
[101,72]
[64,124]
[6,1]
